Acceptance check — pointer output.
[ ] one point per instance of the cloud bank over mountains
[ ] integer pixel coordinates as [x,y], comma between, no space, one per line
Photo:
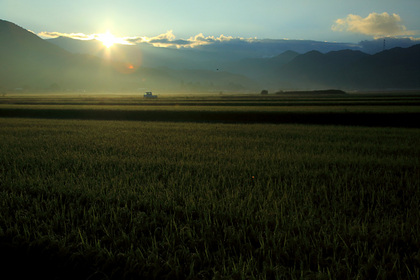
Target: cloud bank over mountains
[166,40]
[376,25]
[81,36]
[237,47]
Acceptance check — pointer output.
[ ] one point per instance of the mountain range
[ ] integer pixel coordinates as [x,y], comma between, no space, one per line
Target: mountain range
[29,62]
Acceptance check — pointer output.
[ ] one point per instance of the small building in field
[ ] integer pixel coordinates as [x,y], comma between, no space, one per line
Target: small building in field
[149,94]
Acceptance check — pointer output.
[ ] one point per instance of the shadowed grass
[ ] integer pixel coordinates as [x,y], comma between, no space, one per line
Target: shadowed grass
[385,119]
[123,200]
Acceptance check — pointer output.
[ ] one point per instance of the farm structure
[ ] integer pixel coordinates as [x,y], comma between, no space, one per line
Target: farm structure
[149,94]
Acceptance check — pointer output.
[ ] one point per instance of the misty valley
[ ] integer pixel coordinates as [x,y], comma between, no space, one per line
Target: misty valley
[32,64]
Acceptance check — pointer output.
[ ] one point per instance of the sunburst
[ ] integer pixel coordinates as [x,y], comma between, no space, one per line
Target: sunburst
[107,39]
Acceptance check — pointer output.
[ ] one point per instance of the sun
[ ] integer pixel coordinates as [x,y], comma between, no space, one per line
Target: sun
[107,39]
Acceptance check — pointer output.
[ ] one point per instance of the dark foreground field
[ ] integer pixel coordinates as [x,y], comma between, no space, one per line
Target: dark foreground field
[400,119]
[198,198]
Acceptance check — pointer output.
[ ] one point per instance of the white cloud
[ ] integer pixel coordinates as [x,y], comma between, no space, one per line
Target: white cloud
[77,36]
[374,24]
[167,39]
[82,36]
[162,40]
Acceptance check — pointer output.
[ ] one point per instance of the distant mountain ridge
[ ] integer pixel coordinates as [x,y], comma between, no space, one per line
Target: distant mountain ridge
[29,62]
[390,69]
[348,69]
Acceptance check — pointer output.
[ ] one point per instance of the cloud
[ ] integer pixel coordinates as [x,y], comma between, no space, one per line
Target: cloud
[82,36]
[168,40]
[231,46]
[374,24]
[77,36]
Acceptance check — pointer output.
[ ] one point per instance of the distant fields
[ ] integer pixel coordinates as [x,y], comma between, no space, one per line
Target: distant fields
[202,198]
[398,110]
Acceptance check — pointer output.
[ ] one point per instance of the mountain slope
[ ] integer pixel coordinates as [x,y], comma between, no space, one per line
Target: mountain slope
[14,37]
[396,68]
[261,68]
[23,54]
[144,54]
[32,63]
[348,69]
[29,62]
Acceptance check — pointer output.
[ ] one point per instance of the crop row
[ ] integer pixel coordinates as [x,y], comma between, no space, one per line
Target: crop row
[383,119]
[125,200]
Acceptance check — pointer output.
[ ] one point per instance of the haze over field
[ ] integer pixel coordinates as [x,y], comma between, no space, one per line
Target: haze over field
[217,46]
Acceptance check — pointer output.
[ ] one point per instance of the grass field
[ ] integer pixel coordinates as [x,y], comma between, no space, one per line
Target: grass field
[209,198]
[386,110]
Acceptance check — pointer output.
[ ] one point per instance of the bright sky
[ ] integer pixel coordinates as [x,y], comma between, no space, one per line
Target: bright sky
[322,20]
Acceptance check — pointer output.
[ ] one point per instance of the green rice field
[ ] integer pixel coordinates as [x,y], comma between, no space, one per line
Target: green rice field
[226,188]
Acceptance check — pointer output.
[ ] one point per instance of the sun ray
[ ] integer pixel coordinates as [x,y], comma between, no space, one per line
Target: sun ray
[107,39]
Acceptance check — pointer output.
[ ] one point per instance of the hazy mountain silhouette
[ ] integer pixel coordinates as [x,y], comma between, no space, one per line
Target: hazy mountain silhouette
[347,68]
[155,57]
[262,68]
[381,44]
[396,68]
[232,55]
[393,69]
[30,62]
[317,70]
[22,54]
[147,56]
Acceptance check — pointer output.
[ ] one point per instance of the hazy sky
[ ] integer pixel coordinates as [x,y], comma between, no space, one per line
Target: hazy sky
[323,20]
